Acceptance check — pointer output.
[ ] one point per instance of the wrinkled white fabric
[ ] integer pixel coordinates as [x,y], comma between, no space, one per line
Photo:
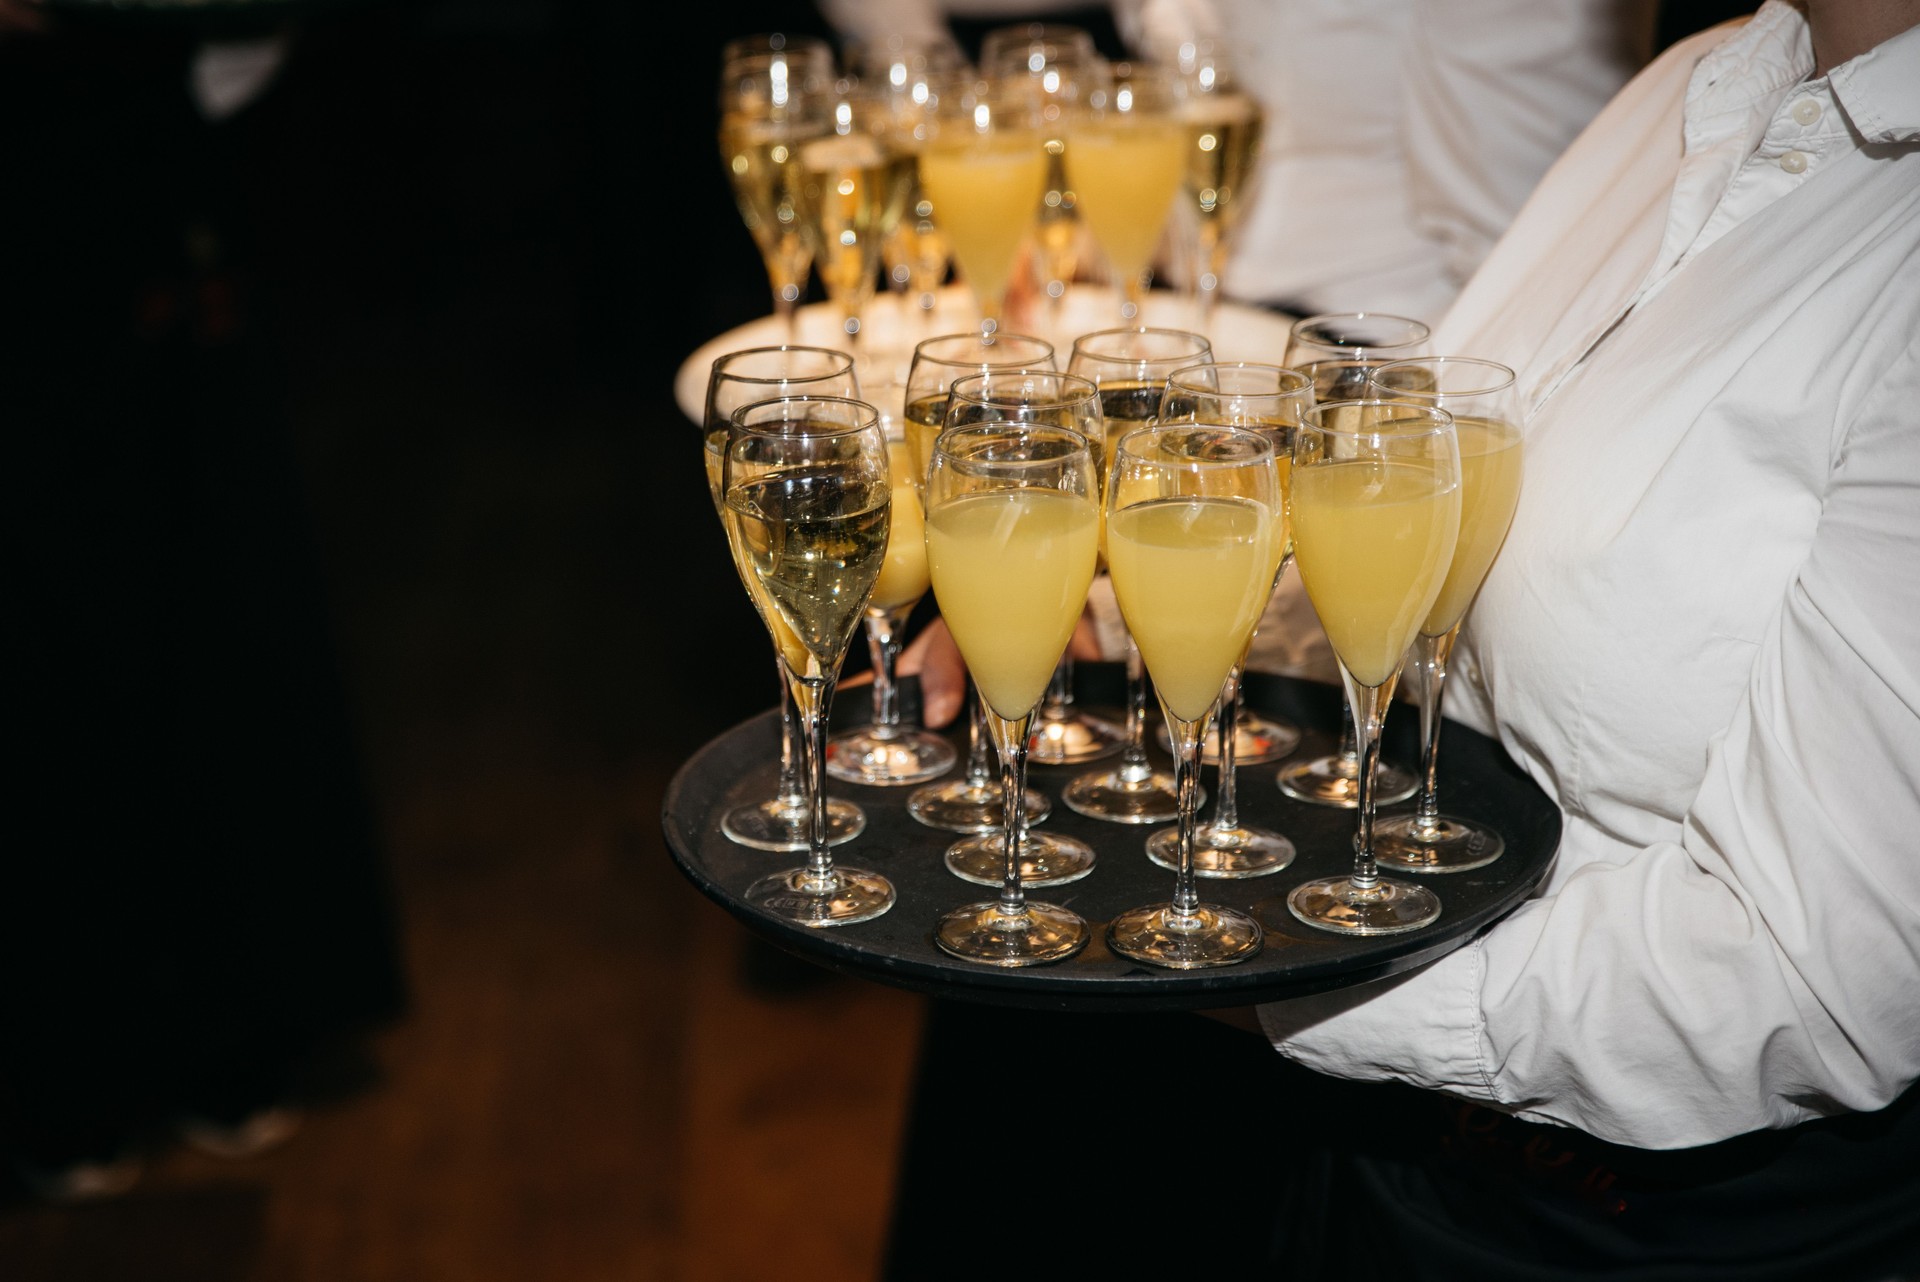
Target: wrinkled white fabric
[1702,637]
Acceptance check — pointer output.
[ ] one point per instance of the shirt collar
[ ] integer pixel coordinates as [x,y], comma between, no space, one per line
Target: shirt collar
[1880,90]
[1745,75]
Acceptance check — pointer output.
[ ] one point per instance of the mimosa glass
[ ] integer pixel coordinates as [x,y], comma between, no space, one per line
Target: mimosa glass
[1270,400]
[972,803]
[1063,735]
[888,752]
[1194,530]
[737,379]
[1376,514]
[1338,350]
[770,106]
[853,184]
[1130,367]
[1223,125]
[810,499]
[983,169]
[1012,537]
[1486,418]
[1126,156]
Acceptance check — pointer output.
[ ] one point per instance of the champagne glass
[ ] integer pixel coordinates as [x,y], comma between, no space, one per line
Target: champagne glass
[1126,156]
[885,752]
[809,498]
[1269,400]
[853,182]
[1194,533]
[973,802]
[770,105]
[1061,67]
[1130,367]
[1012,537]
[1376,513]
[1485,406]
[737,379]
[983,169]
[1223,125]
[1338,350]
[911,75]
[1063,735]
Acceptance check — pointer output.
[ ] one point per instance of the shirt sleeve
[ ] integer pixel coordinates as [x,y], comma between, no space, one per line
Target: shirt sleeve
[1762,969]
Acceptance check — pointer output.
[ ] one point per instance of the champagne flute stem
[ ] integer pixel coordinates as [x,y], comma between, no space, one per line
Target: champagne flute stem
[1011,738]
[1134,766]
[1059,695]
[1226,812]
[1135,291]
[1186,737]
[791,795]
[1369,704]
[883,649]
[979,747]
[813,695]
[1430,659]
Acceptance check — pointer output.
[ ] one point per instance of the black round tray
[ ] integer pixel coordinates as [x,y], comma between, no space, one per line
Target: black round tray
[1476,779]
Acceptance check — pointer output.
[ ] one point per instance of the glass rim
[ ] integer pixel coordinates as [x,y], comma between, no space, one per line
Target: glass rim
[869,422]
[715,369]
[1312,419]
[954,393]
[1504,383]
[1297,331]
[767,43]
[1288,371]
[1136,331]
[921,349]
[1000,426]
[1254,436]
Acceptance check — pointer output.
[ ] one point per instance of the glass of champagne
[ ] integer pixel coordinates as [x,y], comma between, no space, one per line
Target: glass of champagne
[1223,125]
[853,182]
[971,803]
[983,169]
[887,752]
[770,106]
[1376,513]
[1063,735]
[1338,350]
[737,379]
[1012,537]
[1194,528]
[1061,67]
[1130,367]
[1270,400]
[1126,156]
[1482,398]
[809,497]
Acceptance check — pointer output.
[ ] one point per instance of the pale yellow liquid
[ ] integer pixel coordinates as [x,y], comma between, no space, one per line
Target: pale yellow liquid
[851,195]
[985,193]
[785,640]
[1373,541]
[1011,569]
[1125,177]
[1191,576]
[903,577]
[1223,137]
[762,163]
[1489,492]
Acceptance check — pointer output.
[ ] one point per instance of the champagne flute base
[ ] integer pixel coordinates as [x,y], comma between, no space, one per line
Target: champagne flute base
[1224,853]
[1446,845]
[1334,780]
[843,897]
[1070,738]
[895,760]
[1387,907]
[961,806]
[1046,859]
[1209,936]
[1257,740]
[1034,936]
[1117,797]
[782,826]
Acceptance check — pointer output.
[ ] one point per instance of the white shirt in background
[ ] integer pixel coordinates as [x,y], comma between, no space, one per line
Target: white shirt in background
[1703,635]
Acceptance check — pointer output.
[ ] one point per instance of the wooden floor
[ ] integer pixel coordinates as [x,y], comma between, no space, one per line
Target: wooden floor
[596,1079]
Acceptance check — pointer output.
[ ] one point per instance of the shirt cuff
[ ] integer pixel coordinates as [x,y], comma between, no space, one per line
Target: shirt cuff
[1422,1028]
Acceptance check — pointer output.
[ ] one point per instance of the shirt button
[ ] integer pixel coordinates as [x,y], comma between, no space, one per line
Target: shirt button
[1806,111]
[1794,162]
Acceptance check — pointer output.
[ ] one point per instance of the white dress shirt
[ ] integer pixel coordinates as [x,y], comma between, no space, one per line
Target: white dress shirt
[1703,635]
[1401,136]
